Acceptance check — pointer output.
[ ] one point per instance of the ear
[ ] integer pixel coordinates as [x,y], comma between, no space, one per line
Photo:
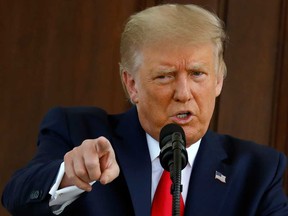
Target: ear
[219,84]
[130,86]
[220,77]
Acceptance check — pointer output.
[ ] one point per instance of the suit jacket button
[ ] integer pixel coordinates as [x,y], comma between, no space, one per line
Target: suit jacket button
[34,194]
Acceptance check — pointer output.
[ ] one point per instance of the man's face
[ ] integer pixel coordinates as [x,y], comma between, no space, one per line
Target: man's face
[176,85]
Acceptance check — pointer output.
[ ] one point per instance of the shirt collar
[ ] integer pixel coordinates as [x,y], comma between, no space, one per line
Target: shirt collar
[154,149]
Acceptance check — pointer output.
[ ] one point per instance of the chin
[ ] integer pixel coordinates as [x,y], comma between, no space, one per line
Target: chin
[193,136]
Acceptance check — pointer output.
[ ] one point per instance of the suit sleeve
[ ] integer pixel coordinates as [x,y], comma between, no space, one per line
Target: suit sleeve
[274,201]
[27,192]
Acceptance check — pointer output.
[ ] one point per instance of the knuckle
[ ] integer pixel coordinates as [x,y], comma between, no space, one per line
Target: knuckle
[80,173]
[101,138]
[93,169]
[92,164]
[86,144]
[71,154]
[67,156]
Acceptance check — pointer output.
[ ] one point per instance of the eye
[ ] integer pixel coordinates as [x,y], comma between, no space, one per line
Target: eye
[160,77]
[197,73]
[164,78]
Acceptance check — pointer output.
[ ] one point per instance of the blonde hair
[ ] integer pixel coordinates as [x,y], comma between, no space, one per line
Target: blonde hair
[173,23]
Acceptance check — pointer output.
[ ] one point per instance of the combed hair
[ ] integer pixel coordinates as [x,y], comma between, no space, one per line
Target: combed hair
[172,23]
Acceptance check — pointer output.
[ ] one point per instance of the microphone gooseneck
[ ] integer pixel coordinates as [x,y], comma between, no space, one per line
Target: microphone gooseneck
[173,158]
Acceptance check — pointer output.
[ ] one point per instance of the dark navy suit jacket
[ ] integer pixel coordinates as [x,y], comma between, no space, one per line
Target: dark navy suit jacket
[253,172]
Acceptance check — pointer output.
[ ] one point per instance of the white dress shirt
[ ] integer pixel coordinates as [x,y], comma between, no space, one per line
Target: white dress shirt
[65,196]
[157,169]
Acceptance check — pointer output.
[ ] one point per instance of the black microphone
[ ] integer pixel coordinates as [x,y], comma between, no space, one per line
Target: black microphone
[172,137]
[173,158]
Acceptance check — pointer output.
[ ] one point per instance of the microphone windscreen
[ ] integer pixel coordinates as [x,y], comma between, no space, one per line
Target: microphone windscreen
[168,130]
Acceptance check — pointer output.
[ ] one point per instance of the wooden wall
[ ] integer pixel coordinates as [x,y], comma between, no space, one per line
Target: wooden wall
[65,53]
[254,104]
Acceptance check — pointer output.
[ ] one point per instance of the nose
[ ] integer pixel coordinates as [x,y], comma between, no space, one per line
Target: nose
[182,92]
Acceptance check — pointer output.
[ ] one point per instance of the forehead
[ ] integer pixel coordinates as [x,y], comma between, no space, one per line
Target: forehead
[167,56]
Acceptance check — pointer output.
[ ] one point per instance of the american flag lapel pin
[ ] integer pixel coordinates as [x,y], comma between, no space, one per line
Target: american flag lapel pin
[220,177]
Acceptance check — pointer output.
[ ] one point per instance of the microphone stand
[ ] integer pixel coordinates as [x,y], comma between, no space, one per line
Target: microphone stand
[175,173]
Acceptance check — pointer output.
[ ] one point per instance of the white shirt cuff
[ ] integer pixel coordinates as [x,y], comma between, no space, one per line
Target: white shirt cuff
[65,196]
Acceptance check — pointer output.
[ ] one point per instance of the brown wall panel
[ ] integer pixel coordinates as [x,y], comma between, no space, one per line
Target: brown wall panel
[55,53]
[246,103]
[279,135]
[211,5]
[60,52]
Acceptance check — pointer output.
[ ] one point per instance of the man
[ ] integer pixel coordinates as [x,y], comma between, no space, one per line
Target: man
[172,68]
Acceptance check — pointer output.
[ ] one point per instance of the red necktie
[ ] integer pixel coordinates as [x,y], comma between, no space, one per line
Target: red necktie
[162,201]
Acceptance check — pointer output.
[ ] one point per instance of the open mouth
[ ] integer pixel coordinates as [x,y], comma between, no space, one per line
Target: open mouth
[183,115]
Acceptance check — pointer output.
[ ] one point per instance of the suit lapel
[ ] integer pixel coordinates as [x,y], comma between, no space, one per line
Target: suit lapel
[133,156]
[206,193]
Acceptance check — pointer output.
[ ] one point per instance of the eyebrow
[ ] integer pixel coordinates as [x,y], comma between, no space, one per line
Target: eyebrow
[196,66]
[166,69]
[192,66]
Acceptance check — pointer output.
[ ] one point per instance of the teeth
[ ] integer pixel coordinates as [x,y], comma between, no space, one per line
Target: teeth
[182,115]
